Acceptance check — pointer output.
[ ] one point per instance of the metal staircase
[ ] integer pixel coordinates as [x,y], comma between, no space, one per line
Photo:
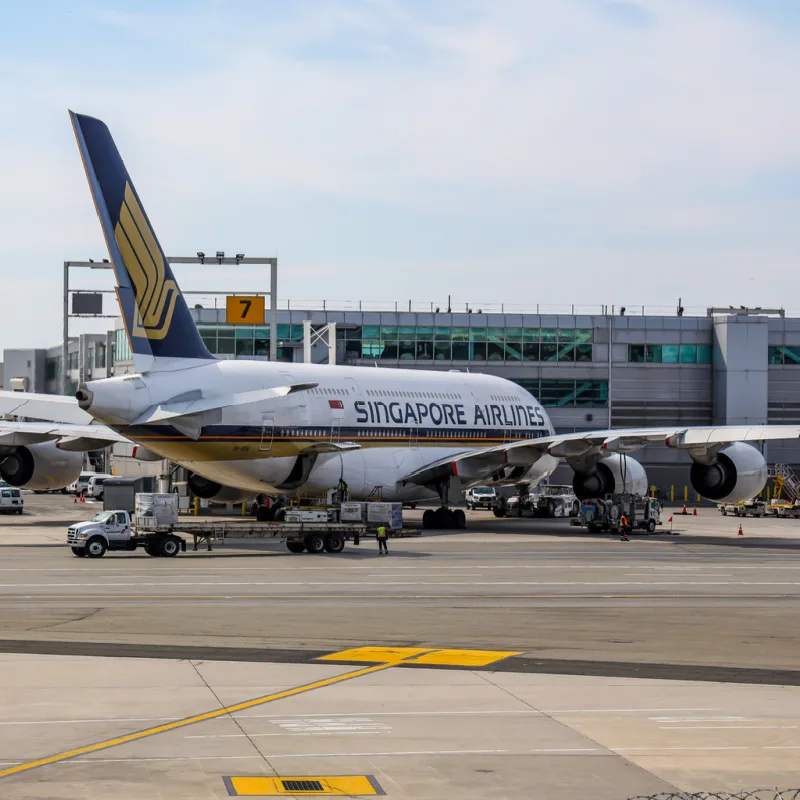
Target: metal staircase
[785,481]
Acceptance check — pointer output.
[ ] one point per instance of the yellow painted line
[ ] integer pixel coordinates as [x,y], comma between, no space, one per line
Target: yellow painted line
[465,658]
[182,723]
[417,655]
[349,785]
[377,655]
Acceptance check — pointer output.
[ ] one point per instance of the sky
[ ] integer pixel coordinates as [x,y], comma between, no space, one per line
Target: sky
[515,152]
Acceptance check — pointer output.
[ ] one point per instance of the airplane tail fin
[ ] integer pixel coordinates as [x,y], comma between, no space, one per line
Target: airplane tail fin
[158,322]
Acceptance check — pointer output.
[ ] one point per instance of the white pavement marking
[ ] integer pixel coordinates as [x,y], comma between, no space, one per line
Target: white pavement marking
[396,583]
[725,727]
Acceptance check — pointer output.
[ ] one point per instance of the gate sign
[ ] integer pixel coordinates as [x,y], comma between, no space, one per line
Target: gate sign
[244,310]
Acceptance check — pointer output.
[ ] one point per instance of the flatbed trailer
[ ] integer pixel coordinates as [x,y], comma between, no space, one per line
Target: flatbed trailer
[118,531]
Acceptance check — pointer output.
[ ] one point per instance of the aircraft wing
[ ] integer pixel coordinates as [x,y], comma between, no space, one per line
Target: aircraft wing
[52,407]
[69,437]
[473,465]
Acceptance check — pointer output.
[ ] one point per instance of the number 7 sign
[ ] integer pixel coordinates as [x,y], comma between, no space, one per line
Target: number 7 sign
[244,310]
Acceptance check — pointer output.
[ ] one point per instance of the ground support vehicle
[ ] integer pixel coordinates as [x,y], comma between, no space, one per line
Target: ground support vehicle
[480,497]
[548,502]
[782,508]
[117,530]
[11,501]
[603,514]
[754,508]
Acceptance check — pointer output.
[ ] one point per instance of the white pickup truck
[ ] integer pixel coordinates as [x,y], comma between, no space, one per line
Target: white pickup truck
[114,530]
[151,528]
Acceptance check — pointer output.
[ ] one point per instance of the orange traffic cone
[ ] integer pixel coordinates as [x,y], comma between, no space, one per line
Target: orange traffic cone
[740,530]
[83,499]
[694,511]
[684,511]
[75,499]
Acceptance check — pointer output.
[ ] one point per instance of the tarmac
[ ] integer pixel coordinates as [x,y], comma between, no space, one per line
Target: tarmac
[523,658]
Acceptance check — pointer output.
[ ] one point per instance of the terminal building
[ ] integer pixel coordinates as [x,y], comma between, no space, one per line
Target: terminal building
[729,367]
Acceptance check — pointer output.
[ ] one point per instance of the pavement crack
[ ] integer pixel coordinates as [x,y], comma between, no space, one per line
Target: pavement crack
[235,720]
[79,618]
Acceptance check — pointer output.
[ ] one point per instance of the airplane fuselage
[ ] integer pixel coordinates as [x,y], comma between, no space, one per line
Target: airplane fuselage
[368,426]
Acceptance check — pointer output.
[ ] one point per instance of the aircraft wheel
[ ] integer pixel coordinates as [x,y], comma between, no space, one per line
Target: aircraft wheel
[459,519]
[428,519]
[315,543]
[296,547]
[334,543]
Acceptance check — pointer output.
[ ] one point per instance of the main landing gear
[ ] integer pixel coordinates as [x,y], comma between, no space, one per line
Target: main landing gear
[444,518]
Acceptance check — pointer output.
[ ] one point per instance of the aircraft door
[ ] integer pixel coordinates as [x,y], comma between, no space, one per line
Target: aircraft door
[267,432]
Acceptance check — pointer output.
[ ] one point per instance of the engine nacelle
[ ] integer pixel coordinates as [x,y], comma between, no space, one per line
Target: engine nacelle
[40,466]
[739,472]
[611,475]
[211,490]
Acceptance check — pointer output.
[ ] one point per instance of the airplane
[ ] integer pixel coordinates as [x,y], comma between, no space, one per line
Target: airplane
[265,428]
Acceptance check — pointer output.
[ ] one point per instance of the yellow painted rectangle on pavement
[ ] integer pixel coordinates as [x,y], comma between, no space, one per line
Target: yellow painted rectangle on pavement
[303,785]
[377,655]
[464,658]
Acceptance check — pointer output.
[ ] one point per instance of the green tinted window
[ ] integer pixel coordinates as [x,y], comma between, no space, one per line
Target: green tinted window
[370,348]
[566,335]
[424,332]
[388,331]
[226,332]
[371,332]
[442,333]
[584,335]
[244,332]
[497,334]
[791,355]
[460,334]
[549,334]
[531,334]
[704,353]
[548,351]
[653,354]
[513,334]
[669,354]
[477,334]
[636,353]
[688,354]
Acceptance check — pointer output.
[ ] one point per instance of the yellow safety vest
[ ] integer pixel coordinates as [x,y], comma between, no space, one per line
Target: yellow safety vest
[381,532]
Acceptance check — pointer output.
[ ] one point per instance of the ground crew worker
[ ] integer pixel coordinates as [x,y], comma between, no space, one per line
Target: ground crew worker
[382,539]
[624,528]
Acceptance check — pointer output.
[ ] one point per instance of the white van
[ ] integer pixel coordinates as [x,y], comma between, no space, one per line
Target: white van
[11,501]
[79,487]
[94,488]
[480,497]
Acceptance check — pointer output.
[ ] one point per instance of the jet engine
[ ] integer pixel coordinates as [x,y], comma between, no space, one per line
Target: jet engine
[612,474]
[39,466]
[738,472]
[211,490]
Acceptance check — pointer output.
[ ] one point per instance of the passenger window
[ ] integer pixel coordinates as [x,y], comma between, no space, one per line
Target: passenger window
[6,493]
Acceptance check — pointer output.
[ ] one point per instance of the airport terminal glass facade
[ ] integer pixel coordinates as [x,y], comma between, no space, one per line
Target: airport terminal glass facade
[560,393]
[669,353]
[414,343]
[784,354]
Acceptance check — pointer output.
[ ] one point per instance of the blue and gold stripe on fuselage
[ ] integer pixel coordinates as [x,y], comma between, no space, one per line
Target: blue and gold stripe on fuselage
[240,443]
